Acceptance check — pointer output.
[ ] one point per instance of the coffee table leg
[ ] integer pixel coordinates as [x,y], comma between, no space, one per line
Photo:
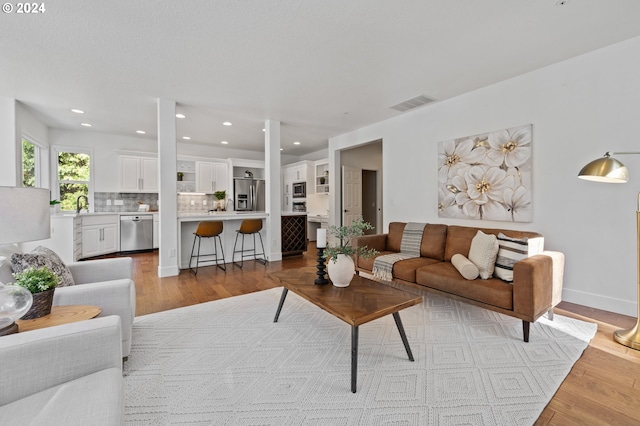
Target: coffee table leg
[396,316]
[284,296]
[354,357]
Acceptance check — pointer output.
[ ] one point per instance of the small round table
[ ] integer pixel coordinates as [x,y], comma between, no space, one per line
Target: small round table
[60,315]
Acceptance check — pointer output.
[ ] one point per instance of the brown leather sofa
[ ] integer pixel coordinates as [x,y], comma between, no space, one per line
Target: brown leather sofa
[536,288]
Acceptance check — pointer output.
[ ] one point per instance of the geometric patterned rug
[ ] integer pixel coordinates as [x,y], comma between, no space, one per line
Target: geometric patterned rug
[227,363]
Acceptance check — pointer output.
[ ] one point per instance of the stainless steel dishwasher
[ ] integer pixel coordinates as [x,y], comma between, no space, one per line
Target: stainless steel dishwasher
[136,232]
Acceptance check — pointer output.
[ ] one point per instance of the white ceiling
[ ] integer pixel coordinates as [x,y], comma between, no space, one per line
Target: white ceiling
[321,67]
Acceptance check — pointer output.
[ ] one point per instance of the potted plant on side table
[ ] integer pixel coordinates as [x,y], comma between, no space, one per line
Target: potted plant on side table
[341,267]
[41,282]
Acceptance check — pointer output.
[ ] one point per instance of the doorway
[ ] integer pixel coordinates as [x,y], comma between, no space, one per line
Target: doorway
[370,199]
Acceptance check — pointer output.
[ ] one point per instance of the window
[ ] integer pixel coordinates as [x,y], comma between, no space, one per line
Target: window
[73,176]
[30,164]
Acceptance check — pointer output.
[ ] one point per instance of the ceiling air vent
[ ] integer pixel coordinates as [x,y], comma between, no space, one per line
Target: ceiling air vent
[412,103]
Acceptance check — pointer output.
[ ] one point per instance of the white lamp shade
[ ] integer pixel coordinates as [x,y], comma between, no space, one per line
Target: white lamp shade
[24,214]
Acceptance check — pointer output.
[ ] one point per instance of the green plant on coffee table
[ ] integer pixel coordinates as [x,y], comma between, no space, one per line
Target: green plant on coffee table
[345,234]
[36,280]
[220,195]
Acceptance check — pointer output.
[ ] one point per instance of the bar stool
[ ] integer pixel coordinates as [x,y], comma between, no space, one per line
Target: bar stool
[249,227]
[208,229]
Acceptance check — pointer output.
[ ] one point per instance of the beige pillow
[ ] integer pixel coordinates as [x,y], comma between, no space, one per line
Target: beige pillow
[483,253]
[466,268]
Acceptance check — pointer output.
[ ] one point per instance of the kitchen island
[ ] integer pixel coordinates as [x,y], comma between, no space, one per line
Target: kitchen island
[188,222]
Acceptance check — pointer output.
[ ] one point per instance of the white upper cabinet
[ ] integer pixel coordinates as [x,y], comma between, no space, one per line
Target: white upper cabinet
[212,177]
[138,174]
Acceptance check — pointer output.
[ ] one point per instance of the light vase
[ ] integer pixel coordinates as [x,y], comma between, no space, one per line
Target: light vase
[341,271]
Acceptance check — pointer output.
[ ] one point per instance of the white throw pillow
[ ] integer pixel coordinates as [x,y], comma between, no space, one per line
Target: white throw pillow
[466,268]
[483,253]
[511,251]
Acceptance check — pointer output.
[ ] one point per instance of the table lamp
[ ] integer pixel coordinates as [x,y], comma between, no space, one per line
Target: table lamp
[24,216]
[609,170]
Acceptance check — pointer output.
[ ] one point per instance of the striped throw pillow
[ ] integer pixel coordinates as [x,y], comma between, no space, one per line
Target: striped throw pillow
[511,250]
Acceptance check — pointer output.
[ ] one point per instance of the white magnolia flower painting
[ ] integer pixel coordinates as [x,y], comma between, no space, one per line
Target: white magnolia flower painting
[486,176]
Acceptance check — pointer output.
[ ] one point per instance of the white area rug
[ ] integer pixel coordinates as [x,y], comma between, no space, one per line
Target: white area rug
[227,363]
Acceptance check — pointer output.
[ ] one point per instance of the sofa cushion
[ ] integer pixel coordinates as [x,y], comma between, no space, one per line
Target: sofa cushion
[483,252]
[394,240]
[445,277]
[467,269]
[406,269]
[97,398]
[511,251]
[433,241]
[39,257]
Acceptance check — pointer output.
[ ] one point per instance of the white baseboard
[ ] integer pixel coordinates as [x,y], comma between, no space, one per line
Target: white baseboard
[599,301]
[168,271]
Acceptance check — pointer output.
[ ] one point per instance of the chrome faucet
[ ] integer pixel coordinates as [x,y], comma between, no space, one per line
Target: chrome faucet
[78,208]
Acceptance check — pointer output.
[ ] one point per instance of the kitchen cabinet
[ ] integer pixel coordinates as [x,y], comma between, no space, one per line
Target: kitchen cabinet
[99,235]
[156,231]
[212,177]
[297,172]
[138,174]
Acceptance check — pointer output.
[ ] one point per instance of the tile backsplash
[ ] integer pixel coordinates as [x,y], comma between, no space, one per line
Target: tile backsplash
[130,201]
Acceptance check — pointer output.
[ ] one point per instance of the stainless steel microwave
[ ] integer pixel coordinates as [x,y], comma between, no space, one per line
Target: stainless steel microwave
[299,189]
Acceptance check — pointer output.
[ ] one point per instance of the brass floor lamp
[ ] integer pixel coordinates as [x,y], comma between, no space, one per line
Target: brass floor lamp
[610,170]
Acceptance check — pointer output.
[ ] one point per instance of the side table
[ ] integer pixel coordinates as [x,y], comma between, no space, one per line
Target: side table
[60,315]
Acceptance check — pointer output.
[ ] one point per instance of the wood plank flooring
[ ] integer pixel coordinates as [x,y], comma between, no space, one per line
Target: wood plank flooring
[603,388]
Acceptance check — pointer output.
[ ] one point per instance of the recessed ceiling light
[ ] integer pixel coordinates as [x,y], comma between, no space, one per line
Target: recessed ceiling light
[186,138]
[181,116]
[86,124]
[264,130]
[227,123]
[77,111]
[142,132]
[296,143]
[281,149]
[224,143]
[561,2]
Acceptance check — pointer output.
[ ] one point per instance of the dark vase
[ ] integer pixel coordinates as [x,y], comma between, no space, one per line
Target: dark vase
[41,304]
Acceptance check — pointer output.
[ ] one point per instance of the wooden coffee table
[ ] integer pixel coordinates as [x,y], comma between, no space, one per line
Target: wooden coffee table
[60,315]
[362,301]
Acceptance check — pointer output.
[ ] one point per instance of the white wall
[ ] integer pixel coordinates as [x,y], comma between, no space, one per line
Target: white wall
[579,108]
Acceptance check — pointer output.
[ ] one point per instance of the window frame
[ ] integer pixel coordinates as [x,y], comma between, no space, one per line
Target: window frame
[55,191]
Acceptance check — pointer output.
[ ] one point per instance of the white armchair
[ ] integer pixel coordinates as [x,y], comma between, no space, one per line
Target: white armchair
[70,374]
[106,283]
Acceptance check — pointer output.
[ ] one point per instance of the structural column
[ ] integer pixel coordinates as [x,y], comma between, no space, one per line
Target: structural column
[167,198]
[273,194]
[8,145]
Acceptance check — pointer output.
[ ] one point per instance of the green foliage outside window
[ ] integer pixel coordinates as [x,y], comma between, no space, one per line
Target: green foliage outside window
[73,178]
[28,164]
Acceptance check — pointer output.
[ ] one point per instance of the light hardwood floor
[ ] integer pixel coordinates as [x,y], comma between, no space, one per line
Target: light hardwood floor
[602,388]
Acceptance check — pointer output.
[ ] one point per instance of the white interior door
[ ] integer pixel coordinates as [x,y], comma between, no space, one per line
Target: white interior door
[351,194]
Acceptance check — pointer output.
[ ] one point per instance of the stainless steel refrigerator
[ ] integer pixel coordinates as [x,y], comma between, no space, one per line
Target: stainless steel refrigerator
[249,194]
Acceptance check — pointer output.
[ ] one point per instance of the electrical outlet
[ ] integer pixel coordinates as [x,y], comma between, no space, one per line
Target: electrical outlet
[204,202]
[108,202]
[119,203]
[193,202]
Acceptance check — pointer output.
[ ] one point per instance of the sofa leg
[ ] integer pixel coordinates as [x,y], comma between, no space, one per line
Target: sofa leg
[550,314]
[525,330]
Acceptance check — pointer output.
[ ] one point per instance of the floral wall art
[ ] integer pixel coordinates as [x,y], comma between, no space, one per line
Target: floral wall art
[486,176]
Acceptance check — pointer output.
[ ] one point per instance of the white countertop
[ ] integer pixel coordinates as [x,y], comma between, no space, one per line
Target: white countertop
[73,214]
[195,216]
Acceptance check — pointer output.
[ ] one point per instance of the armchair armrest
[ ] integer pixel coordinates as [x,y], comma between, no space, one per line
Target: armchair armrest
[92,271]
[40,359]
[532,286]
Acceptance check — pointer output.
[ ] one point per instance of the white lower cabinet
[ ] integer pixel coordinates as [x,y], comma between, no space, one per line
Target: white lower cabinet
[99,235]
